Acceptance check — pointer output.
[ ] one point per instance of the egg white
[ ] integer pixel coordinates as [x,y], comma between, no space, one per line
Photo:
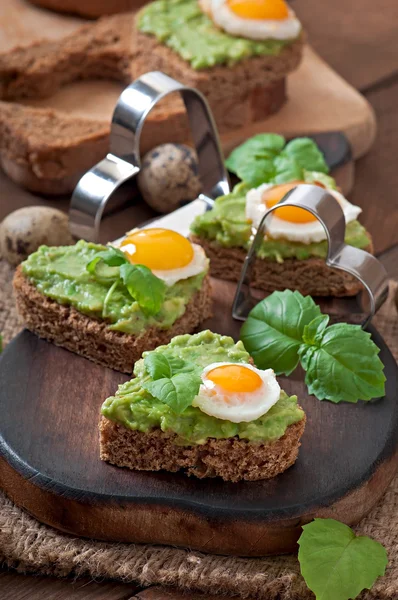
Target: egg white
[295,232]
[198,264]
[238,407]
[255,29]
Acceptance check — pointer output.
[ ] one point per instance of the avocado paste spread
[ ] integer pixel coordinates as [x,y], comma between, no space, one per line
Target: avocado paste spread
[226,223]
[61,274]
[183,27]
[135,408]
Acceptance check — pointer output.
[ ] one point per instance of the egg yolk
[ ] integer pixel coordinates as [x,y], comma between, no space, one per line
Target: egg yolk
[158,249]
[293,214]
[259,9]
[235,378]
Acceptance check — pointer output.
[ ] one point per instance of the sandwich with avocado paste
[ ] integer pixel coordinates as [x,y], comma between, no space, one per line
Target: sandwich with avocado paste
[110,304]
[198,404]
[293,251]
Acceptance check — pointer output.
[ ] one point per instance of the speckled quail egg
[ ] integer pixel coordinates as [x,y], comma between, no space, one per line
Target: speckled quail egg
[24,230]
[169,177]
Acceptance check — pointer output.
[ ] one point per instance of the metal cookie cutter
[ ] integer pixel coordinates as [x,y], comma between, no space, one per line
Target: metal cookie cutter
[362,265]
[123,161]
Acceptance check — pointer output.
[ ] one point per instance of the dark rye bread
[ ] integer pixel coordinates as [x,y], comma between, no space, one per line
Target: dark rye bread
[101,50]
[47,151]
[90,8]
[232,459]
[310,277]
[91,338]
[241,82]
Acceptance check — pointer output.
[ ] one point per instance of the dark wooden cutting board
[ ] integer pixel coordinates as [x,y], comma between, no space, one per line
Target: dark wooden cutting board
[49,459]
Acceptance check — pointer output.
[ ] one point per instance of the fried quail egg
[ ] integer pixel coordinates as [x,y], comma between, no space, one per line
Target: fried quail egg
[291,222]
[254,19]
[236,392]
[168,254]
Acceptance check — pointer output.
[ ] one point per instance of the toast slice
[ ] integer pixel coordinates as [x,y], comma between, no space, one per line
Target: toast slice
[231,459]
[91,338]
[310,277]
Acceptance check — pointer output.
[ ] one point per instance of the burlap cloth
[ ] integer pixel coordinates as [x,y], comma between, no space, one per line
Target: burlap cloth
[29,546]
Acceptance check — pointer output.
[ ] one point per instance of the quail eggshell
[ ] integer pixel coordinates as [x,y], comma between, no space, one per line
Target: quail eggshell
[24,230]
[169,177]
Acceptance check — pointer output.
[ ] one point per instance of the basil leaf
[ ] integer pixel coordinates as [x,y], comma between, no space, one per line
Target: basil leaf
[273,331]
[147,289]
[177,392]
[262,144]
[287,169]
[160,365]
[256,170]
[312,333]
[307,154]
[113,257]
[343,365]
[335,563]
[326,180]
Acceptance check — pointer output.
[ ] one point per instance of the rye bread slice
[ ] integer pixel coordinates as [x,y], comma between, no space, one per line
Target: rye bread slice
[47,151]
[222,82]
[232,459]
[310,277]
[92,338]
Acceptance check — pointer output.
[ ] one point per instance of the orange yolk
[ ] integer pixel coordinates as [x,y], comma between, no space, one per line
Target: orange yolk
[259,9]
[158,249]
[235,378]
[293,214]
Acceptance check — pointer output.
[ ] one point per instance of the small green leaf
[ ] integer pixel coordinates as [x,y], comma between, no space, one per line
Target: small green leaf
[312,333]
[256,171]
[160,365]
[273,331]
[326,180]
[287,169]
[177,392]
[335,563]
[113,257]
[344,365]
[147,289]
[263,143]
[307,154]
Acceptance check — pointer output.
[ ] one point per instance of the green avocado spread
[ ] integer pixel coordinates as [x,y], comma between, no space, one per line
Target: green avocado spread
[226,223]
[183,27]
[61,274]
[134,407]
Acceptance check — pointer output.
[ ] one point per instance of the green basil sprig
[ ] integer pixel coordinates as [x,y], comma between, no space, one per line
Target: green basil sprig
[143,286]
[335,563]
[341,361]
[174,381]
[266,158]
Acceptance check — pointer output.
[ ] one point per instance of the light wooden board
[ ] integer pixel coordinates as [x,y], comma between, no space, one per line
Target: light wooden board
[319,99]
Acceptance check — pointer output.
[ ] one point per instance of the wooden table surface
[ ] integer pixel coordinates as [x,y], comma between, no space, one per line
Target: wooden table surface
[357,38]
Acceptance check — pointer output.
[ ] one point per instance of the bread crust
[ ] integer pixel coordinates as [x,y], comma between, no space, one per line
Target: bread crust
[232,459]
[310,277]
[91,338]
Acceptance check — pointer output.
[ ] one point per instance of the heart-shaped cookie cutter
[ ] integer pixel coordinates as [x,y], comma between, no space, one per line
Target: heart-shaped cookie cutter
[359,263]
[123,161]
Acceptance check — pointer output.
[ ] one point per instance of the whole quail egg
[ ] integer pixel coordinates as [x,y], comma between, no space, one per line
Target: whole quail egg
[24,230]
[169,177]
